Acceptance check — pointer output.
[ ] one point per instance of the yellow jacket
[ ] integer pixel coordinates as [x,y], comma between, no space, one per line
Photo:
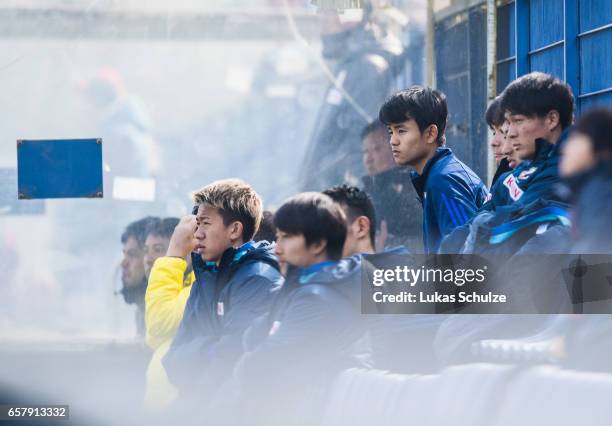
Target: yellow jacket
[165,300]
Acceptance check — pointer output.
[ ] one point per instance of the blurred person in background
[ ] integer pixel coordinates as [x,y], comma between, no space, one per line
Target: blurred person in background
[586,168]
[284,82]
[108,111]
[364,63]
[133,276]
[398,211]
[158,235]
[377,154]
[124,124]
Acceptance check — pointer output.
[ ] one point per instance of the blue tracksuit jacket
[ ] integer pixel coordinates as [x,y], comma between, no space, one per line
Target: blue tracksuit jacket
[450,193]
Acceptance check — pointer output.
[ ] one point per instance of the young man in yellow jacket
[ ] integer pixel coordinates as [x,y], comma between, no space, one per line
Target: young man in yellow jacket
[170,280]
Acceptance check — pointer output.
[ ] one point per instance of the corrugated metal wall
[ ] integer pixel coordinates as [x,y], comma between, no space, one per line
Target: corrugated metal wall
[571,39]
[595,44]
[461,55]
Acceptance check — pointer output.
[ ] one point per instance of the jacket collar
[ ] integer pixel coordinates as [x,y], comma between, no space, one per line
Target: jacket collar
[420,181]
[308,272]
[543,149]
[230,257]
[546,150]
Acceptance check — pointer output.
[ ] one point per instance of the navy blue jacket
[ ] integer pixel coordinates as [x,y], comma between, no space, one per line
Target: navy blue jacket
[593,211]
[223,302]
[531,180]
[450,192]
[499,194]
[313,331]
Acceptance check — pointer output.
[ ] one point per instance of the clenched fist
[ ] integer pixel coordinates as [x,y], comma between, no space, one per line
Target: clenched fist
[182,242]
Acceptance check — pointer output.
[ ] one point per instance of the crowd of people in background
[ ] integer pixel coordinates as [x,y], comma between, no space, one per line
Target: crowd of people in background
[251,314]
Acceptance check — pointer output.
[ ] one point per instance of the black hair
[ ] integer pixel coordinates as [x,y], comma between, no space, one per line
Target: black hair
[536,94]
[266,230]
[137,230]
[357,202]
[495,114]
[317,217]
[596,124]
[162,227]
[424,105]
[374,126]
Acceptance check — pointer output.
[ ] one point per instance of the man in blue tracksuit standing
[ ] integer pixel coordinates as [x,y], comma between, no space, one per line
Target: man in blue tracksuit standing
[448,189]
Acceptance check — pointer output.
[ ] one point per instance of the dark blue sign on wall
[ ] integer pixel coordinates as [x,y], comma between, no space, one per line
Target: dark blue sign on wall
[68,168]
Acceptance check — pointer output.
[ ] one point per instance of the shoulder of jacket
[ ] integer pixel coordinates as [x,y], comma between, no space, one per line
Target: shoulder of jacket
[446,178]
[320,291]
[256,269]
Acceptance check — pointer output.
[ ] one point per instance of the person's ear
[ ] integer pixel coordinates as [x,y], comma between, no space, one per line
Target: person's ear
[318,247]
[553,119]
[431,134]
[362,228]
[236,230]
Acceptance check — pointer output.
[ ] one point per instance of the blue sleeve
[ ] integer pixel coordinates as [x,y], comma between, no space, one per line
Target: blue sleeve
[453,204]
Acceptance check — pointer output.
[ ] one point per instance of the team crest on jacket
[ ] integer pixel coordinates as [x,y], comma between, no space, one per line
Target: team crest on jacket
[515,191]
[526,173]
